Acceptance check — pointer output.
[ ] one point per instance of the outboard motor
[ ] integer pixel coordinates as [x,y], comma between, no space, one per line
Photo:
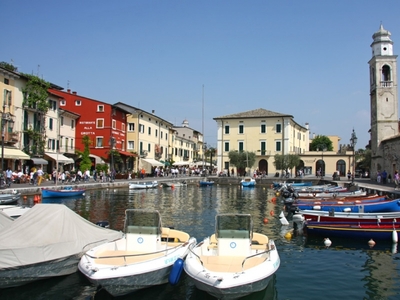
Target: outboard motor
[285,194]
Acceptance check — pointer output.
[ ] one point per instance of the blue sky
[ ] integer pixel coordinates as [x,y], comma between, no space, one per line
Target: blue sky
[306,58]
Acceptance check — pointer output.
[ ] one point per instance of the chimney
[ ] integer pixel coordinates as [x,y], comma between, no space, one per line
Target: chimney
[153,111]
[68,91]
[74,92]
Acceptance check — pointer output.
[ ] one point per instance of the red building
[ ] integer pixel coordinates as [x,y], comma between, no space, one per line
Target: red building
[103,123]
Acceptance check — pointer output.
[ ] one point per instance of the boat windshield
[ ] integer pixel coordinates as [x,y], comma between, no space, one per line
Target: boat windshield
[142,220]
[233,226]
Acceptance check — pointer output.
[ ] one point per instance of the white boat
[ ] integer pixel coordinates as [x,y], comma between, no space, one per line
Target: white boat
[357,193]
[174,184]
[9,198]
[233,262]
[143,184]
[13,211]
[144,257]
[5,221]
[248,182]
[46,241]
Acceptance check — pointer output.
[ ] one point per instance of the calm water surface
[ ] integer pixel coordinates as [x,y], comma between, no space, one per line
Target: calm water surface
[347,270]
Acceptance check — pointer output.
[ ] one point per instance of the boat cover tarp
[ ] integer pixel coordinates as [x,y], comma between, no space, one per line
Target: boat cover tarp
[5,221]
[47,232]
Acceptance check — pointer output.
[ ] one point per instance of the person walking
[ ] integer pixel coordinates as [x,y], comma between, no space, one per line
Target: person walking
[40,176]
[396,180]
[8,177]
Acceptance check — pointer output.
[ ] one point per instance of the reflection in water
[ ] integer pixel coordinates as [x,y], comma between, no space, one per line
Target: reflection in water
[353,270]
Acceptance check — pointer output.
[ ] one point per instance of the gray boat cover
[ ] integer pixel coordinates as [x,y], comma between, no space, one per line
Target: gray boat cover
[47,232]
[5,221]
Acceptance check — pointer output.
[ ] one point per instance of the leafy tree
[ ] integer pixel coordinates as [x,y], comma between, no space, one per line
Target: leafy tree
[86,163]
[321,142]
[7,66]
[242,160]
[36,98]
[286,161]
[363,159]
[210,153]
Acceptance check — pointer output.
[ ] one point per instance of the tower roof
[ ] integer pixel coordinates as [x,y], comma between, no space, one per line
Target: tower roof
[382,35]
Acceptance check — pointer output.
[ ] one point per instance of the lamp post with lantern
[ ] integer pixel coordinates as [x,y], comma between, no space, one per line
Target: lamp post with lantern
[353,142]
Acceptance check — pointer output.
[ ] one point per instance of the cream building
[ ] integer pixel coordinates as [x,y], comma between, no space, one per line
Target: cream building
[188,144]
[261,131]
[147,135]
[12,115]
[268,133]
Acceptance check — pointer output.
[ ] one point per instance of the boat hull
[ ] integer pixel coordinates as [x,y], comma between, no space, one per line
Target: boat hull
[382,206]
[143,185]
[46,193]
[375,232]
[9,198]
[12,277]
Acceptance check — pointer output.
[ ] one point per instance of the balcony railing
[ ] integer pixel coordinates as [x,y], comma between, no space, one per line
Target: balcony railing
[386,83]
[264,152]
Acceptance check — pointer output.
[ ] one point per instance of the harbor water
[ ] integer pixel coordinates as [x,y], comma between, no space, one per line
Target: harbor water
[308,270]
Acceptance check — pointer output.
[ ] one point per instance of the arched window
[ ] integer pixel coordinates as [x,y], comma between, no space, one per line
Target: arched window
[386,75]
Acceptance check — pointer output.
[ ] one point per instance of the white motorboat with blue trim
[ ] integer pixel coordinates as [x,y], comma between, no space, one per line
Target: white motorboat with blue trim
[233,262]
[146,256]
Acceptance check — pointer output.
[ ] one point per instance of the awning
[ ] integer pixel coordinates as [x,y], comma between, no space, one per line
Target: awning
[166,163]
[181,163]
[153,162]
[126,153]
[62,159]
[13,153]
[39,161]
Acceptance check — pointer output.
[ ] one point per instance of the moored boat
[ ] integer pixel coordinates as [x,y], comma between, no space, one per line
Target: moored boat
[144,257]
[380,206]
[9,198]
[248,182]
[233,262]
[46,241]
[385,231]
[206,183]
[174,184]
[64,192]
[143,185]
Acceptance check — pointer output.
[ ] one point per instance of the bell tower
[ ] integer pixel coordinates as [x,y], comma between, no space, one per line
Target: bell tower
[383,95]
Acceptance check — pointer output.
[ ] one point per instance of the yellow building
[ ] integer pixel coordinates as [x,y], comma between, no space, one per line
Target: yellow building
[268,133]
[147,135]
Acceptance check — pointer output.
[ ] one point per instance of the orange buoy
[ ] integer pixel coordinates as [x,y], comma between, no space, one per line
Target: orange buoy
[265,221]
[273,199]
[271,213]
[172,186]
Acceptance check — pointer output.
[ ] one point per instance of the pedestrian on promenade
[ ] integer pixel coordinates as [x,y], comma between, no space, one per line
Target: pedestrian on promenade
[396,180]
[40,176]
[384,176]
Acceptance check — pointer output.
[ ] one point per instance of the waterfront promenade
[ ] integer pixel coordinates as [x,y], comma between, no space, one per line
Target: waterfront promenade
[365,183]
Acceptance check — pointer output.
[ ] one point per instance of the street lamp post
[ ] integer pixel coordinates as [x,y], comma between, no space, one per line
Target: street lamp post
[353,142]
[112,142]
[322,147]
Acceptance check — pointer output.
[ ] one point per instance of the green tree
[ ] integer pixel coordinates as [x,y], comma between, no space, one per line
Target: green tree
[286,161]
[210,153]
[7,66]
[242,160]
[36,99]
[86,163]
[321,142]
[363,159]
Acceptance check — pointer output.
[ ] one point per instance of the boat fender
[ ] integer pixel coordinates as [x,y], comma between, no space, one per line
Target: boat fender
[395,238]
[340,202]
[176,271]
[316,207]
[358,201]
[347,209]
[317,203]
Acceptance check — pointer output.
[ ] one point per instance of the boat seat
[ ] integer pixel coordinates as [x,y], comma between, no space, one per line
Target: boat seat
[230,263]
[122,257]
[259,239]
[213,243]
